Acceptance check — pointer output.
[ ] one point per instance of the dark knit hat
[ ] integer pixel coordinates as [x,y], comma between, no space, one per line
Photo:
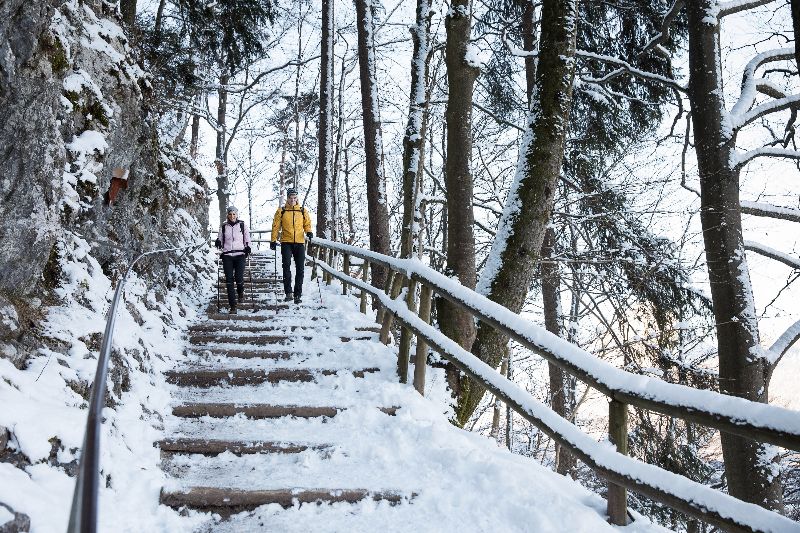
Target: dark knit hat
[291,192]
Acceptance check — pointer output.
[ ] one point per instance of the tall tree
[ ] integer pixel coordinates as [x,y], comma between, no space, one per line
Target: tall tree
[744,367]
[377,203]
[518,244]
[461,75]
[325,187]
[414,138]
[220,153]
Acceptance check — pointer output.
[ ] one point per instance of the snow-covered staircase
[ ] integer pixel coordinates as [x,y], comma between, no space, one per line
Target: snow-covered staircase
[290,418]
[228,382]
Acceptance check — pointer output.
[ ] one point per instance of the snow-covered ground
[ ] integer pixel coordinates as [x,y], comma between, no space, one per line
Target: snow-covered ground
[451,479]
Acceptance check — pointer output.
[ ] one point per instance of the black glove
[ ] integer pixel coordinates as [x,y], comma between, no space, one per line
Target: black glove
[310,235]
[273,245]
[247,250]
[218,244]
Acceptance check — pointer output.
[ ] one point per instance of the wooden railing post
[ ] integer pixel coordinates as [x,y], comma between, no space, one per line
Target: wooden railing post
[387,286]
[618,435]
[315,253]
[404,350]
[386,324]
[421,355]
[365,278]
[346,270]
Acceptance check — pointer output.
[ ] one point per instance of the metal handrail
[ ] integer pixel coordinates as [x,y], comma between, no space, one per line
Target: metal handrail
[83,515]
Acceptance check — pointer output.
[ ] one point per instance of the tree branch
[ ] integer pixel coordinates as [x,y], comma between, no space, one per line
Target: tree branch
[784,342]
[773,254]
[663,34]
[766,151]
[771,211]
[736,6]
[625,67]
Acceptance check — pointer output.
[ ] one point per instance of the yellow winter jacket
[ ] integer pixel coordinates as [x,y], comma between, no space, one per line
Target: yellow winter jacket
[291,224]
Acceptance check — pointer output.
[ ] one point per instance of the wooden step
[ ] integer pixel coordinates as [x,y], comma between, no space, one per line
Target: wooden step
[229,501]
[255,318]
[216,447]
[249,376]
[255,328]
[202,339]
[222,410]
[239,353]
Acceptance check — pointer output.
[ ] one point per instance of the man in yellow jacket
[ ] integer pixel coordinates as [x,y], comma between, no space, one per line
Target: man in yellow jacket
[291,225]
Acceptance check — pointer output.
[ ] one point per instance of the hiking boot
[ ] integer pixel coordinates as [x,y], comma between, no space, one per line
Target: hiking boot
[288,297]
[298,298]
[232,310]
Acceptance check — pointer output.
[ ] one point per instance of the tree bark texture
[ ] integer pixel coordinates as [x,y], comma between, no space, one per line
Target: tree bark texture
[377,206]
[743,369]
[128,9]
[461,75]
[221,157]
[796,27]
[414,139]
[325,189]
[518,244]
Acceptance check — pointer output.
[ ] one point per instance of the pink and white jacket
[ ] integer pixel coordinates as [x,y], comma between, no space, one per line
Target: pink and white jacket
[234,237]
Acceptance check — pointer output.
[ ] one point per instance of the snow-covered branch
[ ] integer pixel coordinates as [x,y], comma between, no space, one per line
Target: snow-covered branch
[789,102]
[736,6]
[741,159]
[771,211]
[751,84]
[663,34]
[625,67]
[784,342]
[772,253]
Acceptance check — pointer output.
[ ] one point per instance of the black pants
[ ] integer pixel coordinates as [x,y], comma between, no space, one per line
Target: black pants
[297,251]
[233,264]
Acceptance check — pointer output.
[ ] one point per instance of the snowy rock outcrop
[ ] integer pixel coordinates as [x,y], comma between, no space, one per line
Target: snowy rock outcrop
[75,110]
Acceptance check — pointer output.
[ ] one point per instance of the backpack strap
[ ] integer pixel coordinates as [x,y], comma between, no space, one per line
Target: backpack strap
[222,229]
[241,227]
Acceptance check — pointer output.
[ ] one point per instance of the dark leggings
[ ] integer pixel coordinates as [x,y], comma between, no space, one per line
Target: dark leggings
[231,263]
[297,251]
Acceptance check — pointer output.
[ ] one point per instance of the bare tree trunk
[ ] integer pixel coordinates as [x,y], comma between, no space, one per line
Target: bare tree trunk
[195,136]
[414,139]
[518,244]
[221,161]
[128,9]
[743,369]
[796,27]
[461,75]
[325,186]
[350,222]
[551,299]
[282,168]
[159,19]
[498,405]
[377,205]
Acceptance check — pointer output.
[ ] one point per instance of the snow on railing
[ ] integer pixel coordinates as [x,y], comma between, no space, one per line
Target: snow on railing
[753,420]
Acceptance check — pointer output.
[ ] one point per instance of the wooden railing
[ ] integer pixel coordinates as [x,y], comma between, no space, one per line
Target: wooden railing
[756,421]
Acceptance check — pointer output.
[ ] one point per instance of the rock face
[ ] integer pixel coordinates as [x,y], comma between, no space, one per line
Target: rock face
[74,106]
[32,150]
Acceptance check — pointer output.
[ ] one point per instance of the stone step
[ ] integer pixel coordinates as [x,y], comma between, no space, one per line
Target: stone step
[216,447]
[222,410]
[230,501]
[250,376]
[203,339]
